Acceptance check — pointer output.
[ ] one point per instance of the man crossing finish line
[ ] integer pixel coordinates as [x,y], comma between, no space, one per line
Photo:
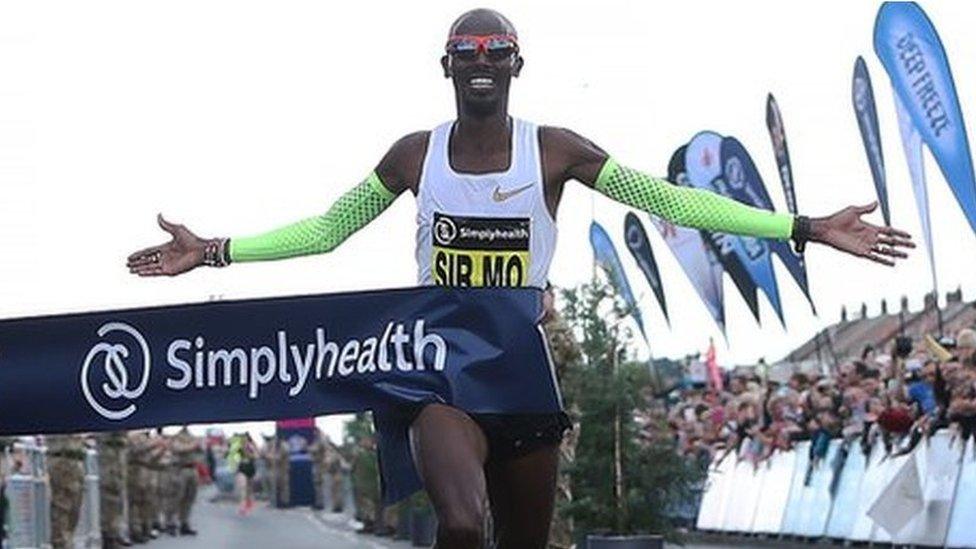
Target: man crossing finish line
[488,187]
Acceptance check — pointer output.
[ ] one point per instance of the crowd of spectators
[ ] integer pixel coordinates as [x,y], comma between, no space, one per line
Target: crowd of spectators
[893,396]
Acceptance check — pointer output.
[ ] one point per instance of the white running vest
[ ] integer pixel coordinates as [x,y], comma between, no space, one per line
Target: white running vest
[490,229]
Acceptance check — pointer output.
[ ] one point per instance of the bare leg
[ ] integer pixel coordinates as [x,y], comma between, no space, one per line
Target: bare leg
[449,450]
[523,492]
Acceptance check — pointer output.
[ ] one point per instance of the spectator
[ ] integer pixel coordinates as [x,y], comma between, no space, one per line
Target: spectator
[879,395]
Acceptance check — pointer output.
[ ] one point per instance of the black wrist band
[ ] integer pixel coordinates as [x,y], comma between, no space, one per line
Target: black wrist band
[215,253]
[225,252]
[801,233]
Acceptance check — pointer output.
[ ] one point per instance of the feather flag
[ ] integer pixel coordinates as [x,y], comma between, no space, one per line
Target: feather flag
[693,250]
[711,364]
[705,171]
[862,96]
[912,53]
[777,134]
[606,256]
[743,183]
[640,248]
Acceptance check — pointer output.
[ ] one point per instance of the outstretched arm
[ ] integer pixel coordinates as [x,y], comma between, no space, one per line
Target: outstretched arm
[319,234]
[689,207]
[570,156]
[396,172]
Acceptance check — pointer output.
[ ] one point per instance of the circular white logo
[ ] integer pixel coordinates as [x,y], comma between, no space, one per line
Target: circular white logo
[117,386]
[633,237]
[445,231]
[735,174]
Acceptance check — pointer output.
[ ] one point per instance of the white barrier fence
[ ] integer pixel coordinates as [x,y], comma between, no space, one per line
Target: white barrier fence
[28,522]
[29,498]
[784,496]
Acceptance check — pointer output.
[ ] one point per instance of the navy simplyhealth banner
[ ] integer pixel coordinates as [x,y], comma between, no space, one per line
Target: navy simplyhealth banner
[478,349]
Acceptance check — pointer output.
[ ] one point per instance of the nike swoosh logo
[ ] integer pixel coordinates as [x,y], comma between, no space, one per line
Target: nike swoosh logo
[501,196]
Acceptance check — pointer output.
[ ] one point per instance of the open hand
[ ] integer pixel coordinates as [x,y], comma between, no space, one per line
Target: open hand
[181,254]
[846,231]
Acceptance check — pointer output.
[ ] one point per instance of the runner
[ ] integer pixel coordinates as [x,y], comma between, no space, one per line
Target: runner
[488,187]
[241,454]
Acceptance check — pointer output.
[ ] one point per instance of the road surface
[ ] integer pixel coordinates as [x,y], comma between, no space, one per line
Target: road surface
[219,527]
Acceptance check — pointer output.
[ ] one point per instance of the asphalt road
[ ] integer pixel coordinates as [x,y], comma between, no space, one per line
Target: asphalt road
[219,526]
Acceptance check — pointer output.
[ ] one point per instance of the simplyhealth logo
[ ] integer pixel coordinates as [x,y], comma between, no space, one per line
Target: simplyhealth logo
[192,366]
[116,370]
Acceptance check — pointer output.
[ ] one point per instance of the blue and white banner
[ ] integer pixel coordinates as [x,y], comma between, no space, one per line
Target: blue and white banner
[862,96]
[693,250]
[721,246]
[703,163]
[777,134]
[911,142]
[741,181]
[912,53]
[606,256]
[640,248]
[477,349]
[699,264]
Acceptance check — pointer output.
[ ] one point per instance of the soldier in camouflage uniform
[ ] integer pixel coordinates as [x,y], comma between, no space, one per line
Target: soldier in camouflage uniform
[318,452]
[137,486]
[566,352]
[66,474]
[282,466]
[187,451]
[4,443]
[111,473]
[155,466]
[336,466]
[365,474]
[169,478]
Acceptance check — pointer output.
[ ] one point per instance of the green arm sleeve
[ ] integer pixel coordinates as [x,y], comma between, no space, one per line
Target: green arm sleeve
[689,207]
[319,234]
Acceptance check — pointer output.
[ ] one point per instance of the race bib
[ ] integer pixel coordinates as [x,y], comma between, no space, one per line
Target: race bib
[480,251]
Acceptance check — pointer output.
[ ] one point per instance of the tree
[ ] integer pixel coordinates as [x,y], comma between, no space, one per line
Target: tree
[627,473]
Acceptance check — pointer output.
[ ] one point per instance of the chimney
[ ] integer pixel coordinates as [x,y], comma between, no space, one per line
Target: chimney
[930,301]
[884,307]
[904,303]
[864,310]
[843,313]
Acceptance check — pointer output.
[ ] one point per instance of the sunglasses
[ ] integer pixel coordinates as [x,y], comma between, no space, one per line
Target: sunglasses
[496,46]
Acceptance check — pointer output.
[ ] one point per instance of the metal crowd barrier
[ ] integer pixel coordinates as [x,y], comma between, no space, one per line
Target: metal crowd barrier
[785,496]
[28,497]
[28,493]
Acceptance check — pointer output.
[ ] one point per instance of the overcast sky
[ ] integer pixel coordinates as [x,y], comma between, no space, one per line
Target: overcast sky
[235,117]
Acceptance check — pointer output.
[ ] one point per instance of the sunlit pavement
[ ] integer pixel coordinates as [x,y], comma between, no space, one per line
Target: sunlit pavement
[219,526]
